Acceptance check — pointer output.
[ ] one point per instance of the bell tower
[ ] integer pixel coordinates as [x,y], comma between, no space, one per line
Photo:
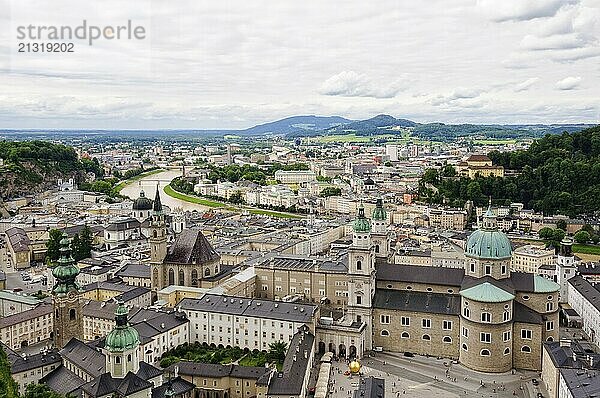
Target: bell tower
[122,346]
[361,274]
[380,235]
[158,242]
[565,267]
[68,322]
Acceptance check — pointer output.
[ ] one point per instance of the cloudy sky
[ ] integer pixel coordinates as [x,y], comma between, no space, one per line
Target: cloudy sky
[232,64]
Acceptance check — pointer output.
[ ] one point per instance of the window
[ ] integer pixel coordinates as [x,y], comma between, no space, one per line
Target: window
[506,351]
[506,336]
[526,348]
[405,321]
[447,325]
[485,337]
[447,339]
[503,269]
[359,265]
[506,316]
[525,298]
[486,317]
[426,337]
[466,312]
[426,323]
[72,314]
[485,353]
[464,347]
[358,300]
[526,334]
[385,333]
[550,298]
[488,270]
[405,335]
[117,359]
[465,332]
[549,306]
[129,358]
[549,325]
[385,319]
[472,267]
[429,289]
[450,291]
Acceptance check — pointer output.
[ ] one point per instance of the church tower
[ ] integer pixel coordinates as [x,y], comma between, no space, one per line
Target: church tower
[565,267]
[158,242]
[380,235]
[122,346]
[361,273]
[68,322]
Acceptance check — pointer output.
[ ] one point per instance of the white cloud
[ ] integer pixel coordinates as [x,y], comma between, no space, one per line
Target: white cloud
[520,10]
[526,85]
[352,84]
[568,83]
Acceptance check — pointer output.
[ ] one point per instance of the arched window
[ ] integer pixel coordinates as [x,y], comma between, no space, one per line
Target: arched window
[155,276]
[194,278]
[506,351]
[207,272]
[359,264]
[464,347]
[155,234]
[171,276]
[426,337]
[405,335]
[550,338]
[485,353]
[117,359]
[385,333]
[129,358]
[525,348]
[216,270]
[447,339]
[181,278]
[376,248]
[72,314]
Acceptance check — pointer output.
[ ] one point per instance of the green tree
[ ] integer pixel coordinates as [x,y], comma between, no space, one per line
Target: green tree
[75,247]
[582,236]
[82,246]
[8,387]
[237,198]
[330,191]
[35,390]
[277,351]
[561,224]
[53,245]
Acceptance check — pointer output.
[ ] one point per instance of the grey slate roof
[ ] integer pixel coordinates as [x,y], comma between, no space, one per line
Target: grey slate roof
[586,289]
[253,307]
[191,247]
[19,364]
[407,300]
[582,383]
[370,387]
[524,314]
[41,310]
[63,381]
[84,357]
[122,225]
[291,379]
[419,274]
[134,270]
[179,386]
[148,371]
[217,370]
[106,384]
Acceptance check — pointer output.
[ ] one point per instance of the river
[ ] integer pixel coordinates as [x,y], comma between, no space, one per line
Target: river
[148,185]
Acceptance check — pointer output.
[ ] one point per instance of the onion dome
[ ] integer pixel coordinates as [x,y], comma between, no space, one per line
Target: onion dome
[488,242]
[65,270]
[142,203]
[123,337]
[379,213]
[361,223]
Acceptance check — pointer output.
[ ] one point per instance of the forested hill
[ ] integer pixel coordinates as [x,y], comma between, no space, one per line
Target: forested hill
[33,166]
[556,174]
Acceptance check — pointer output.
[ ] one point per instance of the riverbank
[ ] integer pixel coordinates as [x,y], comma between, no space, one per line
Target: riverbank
[138,177]
[225,206]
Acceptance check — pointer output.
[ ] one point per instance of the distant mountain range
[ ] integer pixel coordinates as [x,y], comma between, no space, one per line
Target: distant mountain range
[297,124]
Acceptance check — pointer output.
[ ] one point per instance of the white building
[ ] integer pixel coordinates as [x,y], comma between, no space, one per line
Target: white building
[295,176]
[245,322]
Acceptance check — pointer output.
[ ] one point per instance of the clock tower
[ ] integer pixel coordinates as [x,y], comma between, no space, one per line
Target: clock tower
[66,300]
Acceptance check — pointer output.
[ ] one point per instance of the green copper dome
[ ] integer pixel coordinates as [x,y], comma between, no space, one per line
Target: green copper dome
[486,293]
[488,242]
[361,223]
[65,271]
[379,213]
[123,337]
[142,203]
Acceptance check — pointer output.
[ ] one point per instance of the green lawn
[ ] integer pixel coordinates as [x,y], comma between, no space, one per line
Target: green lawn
[211,203]
[586,249]
[193,199]
[123,184]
